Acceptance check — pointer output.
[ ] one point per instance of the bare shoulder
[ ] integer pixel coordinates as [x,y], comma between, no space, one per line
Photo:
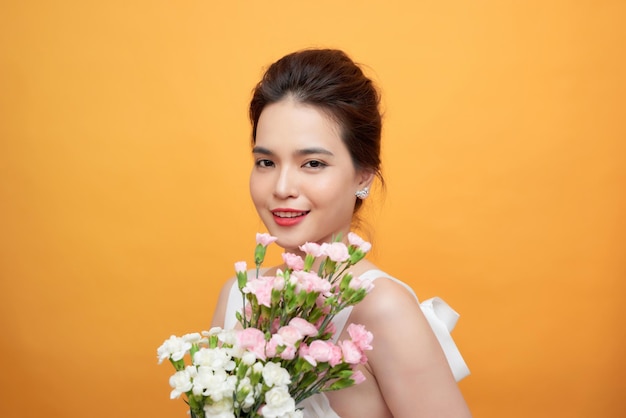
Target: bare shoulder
[388,299]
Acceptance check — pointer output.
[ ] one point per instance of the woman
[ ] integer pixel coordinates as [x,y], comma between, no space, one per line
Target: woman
[316,131]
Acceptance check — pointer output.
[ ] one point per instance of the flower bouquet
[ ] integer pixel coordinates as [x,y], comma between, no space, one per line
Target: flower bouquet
[285,350]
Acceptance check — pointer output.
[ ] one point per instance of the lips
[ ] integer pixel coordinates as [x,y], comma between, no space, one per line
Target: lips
[288,217]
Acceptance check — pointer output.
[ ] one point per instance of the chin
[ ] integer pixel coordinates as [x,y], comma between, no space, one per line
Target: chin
[288,244]
[289,240]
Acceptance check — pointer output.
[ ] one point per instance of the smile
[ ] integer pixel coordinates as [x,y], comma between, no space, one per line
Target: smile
[289,217]
[281,214]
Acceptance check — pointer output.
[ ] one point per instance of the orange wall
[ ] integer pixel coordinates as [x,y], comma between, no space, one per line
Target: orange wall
[123,187]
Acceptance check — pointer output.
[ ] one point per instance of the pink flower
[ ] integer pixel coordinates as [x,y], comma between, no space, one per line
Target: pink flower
[262,289]
[358,377]
[303,352]
[351,352]
[265,239]
[277,341]
[360,336]
[354,239]
[289,353]
[253,340]
[321,351]
[335,356]
[336,251]
[309,282]
[290,335]
[294,262]
[241,267]
[272,345]
[303,326]
[312,248]
[365,247]
[278,283]
[360,243]
[356,283]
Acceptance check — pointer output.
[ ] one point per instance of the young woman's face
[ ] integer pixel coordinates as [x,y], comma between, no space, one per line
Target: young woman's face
[303,180]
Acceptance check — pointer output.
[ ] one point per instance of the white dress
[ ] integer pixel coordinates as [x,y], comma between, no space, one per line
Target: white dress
[441,317]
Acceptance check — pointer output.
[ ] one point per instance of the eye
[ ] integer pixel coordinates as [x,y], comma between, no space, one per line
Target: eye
[264,163]
[314,164]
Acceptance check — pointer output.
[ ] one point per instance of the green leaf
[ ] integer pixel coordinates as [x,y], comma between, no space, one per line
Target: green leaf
[341,384]
[307,379]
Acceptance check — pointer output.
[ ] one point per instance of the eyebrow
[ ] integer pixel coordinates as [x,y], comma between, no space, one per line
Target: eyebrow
[304,151]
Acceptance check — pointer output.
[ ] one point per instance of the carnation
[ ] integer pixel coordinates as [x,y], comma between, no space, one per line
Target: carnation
[174,348]
[336,251]
[275,375]
[312,249]
[278,402]
[265,239]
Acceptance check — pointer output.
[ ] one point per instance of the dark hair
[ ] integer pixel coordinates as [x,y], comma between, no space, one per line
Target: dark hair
[331,81]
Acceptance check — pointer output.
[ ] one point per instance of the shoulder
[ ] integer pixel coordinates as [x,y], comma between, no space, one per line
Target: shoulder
[390,311]
[389,298]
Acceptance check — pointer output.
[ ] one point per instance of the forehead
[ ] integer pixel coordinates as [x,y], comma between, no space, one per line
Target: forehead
[290,123]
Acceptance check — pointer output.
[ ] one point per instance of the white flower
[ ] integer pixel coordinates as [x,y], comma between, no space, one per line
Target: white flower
[245,387]
[278,403]
[212,331]
[248,358]
[227,336]
[274,375]
[217,385]
[193,338]
[249,401]
[202,380]
[220,409]
[214,358]
[181,381]
[174,348]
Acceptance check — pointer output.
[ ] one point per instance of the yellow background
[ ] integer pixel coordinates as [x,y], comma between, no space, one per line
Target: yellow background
[124,157]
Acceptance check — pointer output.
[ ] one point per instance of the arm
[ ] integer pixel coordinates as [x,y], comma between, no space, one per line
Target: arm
[407,360]
[222,301]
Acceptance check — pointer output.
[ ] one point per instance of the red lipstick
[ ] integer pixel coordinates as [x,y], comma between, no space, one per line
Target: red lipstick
[288,216]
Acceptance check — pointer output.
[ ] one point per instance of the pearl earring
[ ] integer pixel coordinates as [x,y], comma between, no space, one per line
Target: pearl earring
[363,193]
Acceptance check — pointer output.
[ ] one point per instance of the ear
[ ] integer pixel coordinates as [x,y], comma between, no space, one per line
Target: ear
[365,178]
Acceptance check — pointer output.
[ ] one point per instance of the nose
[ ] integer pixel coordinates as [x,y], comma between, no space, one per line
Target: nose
[286,184]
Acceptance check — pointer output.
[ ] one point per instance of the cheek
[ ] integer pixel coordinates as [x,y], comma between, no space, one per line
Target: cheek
[336,187]
[255,189]
[337,194]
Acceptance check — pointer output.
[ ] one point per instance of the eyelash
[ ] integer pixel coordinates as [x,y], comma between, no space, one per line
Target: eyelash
[314,164]
[264,163]
[319,164]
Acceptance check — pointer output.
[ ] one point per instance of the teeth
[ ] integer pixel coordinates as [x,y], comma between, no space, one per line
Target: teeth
[288,214]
